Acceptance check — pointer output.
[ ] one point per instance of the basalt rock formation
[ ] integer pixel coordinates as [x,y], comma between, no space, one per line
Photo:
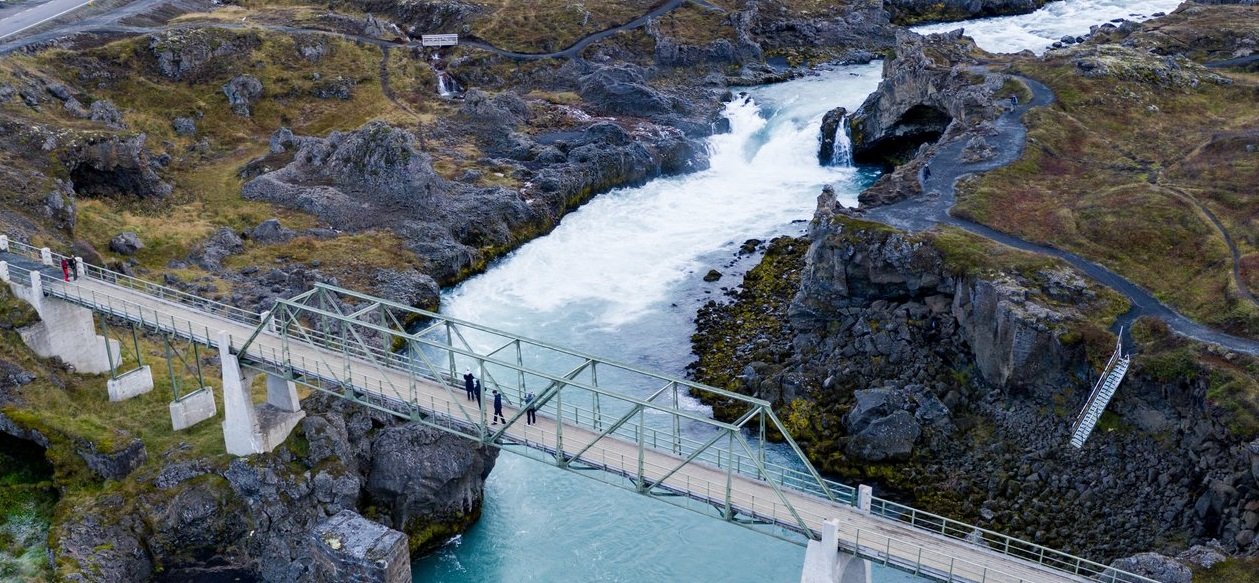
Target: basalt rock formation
[912,362]
[253,517]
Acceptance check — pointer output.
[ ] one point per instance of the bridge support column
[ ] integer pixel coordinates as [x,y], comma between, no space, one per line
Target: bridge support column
[248,429]
[825,563]
[65,330]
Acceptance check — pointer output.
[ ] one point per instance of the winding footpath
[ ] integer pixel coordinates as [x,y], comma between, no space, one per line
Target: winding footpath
[936,209]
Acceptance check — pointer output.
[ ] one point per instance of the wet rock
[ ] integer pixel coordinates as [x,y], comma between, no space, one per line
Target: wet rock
[427,482]
[712,275]
[830,124]
[241,93]
[886,438]
[126,243]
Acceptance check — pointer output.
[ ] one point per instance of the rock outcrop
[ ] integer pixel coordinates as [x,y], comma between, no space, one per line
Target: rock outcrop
[903,363]
[926,88]
[260,517]
[115,166]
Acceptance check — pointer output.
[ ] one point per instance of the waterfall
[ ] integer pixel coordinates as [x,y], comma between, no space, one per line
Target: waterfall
[442,89]
[841,154]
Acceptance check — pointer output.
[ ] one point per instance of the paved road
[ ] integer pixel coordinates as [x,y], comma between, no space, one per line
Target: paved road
[936,209]
[29,17]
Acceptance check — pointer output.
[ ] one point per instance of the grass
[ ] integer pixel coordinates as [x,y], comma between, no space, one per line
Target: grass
[550,26]
[1238,570]
[1103,171]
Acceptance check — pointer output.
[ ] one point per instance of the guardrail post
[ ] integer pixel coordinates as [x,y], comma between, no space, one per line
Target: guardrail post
[4,242]
[45,256]
[865,495]
[4,271]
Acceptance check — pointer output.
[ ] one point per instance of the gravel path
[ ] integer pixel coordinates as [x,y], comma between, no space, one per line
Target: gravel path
[935,208]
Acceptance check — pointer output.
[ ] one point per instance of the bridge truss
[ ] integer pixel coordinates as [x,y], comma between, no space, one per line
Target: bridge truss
[653,412]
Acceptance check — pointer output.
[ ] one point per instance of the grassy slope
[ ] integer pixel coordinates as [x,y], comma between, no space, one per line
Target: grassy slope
[1103,176]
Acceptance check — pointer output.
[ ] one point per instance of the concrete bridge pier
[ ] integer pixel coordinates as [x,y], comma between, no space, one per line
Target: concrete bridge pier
[825,563]
[65,330]
[250,429]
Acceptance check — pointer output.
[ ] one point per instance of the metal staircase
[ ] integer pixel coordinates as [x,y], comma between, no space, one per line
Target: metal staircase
[1103,391]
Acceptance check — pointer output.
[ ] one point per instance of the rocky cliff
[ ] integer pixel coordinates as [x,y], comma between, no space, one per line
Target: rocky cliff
[195,518]
[947,371]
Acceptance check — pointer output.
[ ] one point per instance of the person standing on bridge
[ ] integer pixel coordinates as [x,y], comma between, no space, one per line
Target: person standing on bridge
[476,389]
[74,268]
[467,383]
[498,408]
[531,414]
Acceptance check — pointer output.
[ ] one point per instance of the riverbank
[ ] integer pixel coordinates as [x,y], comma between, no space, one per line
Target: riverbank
[909,362]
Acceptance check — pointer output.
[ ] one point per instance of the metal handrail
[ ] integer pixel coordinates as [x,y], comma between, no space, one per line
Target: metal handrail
[147,287]
[787,477]
[1097,387]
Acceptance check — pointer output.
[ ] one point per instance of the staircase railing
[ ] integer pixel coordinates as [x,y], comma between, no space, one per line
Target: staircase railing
[1102,392]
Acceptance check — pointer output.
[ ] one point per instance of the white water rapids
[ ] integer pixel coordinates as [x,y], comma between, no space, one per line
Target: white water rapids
[621,278]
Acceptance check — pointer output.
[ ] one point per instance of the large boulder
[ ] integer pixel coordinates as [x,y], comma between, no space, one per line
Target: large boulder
[428,483]
[126,243]
[190,54]
[623,90]
[241,93]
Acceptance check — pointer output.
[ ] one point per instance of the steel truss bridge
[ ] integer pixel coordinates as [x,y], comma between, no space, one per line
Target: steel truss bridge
[623,425]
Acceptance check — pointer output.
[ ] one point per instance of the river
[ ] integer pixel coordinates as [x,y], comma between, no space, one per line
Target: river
[622,278]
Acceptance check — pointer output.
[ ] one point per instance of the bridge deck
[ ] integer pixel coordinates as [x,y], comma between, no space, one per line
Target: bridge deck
[874,537]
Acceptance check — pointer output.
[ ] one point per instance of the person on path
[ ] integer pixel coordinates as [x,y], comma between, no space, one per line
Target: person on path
[531,414]
[498,408]
[1014,101]
[926,173]
[477,391]
[74,268]
[467,383]
[65,268]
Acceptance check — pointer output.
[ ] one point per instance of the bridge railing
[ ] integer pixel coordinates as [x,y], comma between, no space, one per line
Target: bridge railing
[1003,544]
[149,288]
[358,355]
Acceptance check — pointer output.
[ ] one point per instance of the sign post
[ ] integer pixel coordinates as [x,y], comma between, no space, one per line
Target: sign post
[439,40]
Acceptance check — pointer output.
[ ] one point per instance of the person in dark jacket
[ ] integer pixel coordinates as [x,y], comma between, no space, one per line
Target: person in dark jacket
[498,408]
[467,383]
[476,389]
[531,414]
[74,268]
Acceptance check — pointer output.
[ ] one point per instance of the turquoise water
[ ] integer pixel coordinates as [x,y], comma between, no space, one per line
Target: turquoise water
[621,278]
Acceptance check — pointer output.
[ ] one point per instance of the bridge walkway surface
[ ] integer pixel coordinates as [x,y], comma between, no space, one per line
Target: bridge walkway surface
[711,466]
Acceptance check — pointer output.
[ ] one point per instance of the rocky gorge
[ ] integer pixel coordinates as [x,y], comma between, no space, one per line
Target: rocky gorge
[947,369]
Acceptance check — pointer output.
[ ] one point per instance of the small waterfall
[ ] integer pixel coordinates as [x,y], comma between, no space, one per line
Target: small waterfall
[442,89]
[841,153]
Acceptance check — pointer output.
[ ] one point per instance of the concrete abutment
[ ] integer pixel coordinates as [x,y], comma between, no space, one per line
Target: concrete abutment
[250,429]
[825,563]
[65,331]
[192,408]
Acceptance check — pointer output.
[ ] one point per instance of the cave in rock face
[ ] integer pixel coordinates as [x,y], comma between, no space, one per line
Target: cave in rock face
[113,182]
[921,124]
